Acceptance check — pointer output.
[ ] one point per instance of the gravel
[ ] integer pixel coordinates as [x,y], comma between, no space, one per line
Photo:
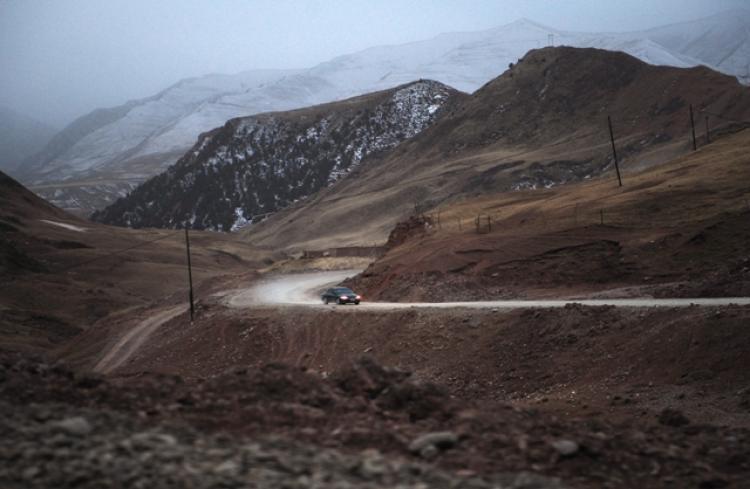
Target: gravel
[101,449]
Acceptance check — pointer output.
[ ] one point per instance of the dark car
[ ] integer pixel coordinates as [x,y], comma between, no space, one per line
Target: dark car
[340,295]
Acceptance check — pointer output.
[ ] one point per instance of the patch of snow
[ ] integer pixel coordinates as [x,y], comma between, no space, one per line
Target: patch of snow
[240,221]
[70,227]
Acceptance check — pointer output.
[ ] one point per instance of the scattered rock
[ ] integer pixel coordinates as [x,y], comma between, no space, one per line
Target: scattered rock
[158,432]
[228,467]
[429,444]
[77,426]
[177,456]
[373,464]
[566,448]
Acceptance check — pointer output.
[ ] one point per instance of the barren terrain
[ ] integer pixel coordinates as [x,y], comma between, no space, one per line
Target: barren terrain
[580,336]
[60,275]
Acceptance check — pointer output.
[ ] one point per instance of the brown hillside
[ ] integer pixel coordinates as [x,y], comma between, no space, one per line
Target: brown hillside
[678,229]
[542,123]
[59,274]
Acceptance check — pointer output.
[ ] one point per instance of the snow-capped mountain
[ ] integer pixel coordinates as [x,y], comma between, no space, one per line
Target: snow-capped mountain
[259,164]
[721,41]
[153,133]
[173,117]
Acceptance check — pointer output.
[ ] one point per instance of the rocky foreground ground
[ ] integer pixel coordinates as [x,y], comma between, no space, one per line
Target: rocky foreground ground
[365,426]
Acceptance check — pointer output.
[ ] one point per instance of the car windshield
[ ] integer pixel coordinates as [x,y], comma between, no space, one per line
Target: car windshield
[343,290]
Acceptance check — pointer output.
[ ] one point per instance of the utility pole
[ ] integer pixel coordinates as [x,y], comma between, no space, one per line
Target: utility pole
[190,274]
[614,150]
[692,125]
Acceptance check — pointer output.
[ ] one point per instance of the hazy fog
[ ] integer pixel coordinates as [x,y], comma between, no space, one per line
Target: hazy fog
[63,58]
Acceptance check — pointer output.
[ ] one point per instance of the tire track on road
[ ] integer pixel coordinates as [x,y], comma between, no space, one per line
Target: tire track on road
[126,346]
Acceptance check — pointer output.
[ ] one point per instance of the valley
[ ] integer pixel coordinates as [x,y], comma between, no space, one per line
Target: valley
[526,321]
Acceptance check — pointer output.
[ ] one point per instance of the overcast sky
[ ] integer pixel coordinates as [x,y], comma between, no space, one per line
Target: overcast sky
[59,59]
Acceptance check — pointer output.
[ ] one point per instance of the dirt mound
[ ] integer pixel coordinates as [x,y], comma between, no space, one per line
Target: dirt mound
[393,390]
[704,259]
[414,226]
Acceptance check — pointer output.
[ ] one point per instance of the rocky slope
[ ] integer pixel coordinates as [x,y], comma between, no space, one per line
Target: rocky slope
[541,124]
[259,164]
[138,140]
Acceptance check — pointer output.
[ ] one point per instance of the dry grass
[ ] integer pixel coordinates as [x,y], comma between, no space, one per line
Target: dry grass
[544,121]
[691,188]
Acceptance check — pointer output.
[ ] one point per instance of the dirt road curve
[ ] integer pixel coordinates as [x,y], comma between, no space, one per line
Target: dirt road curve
[305,289]
[133,339]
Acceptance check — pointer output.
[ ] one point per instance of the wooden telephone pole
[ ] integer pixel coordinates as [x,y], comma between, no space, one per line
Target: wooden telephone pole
[614,150]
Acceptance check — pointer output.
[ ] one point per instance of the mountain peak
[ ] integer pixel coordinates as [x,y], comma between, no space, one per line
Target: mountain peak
[526,22]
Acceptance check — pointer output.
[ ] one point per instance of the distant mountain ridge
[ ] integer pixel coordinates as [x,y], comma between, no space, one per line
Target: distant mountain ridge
[115,155]
[260,164]
[20,136]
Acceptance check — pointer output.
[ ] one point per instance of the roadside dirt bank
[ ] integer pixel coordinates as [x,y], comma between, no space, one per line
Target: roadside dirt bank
[575,361]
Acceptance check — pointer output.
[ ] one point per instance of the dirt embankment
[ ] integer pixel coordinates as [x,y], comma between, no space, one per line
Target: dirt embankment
[704,260]
[589,361]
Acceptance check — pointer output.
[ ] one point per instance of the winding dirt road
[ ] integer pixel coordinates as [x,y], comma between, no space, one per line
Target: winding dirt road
[304,289]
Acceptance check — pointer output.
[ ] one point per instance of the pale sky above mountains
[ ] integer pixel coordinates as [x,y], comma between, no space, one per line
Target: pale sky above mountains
[63,58]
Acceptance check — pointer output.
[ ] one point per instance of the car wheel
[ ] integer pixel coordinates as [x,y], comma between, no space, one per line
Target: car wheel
[356,303]
[325,301]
